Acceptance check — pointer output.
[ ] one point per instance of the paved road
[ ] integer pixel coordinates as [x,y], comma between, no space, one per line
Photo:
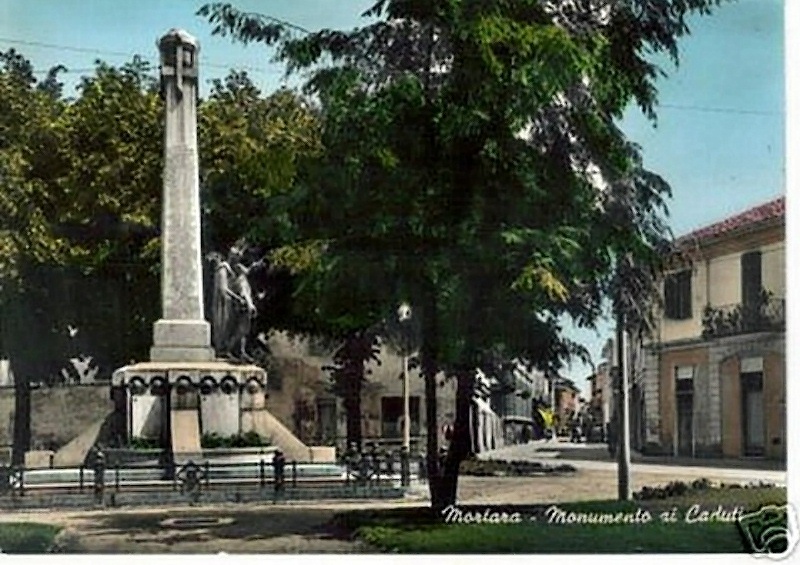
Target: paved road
[304,527]
[595,457]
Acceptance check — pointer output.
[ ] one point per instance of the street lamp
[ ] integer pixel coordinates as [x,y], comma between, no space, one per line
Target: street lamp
[404,317]
[621,368]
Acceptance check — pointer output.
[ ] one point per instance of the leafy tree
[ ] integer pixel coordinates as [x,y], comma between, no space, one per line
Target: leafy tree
[327,299]
[251,147]
[80,187]
[470,137]
[471,156]
[78,201]
[348,374]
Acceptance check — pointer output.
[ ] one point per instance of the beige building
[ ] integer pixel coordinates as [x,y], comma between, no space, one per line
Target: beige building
[713,378]
[566,403]
[600,396]
[298,395]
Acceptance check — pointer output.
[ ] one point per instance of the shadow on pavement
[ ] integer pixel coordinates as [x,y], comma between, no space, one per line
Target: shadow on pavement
[599,452]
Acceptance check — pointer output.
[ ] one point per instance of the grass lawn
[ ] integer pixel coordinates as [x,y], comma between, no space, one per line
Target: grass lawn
[418,531]
[26,537]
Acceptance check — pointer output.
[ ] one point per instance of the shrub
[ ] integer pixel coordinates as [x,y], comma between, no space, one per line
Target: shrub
[481,468]
[144,443]
[26,537]
[676,488]
[248,439]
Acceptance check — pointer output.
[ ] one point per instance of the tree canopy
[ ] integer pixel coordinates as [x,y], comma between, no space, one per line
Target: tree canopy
[472,155]
[80,192]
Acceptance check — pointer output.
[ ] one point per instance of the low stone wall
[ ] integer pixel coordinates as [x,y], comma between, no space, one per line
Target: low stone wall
[58,414]
[39,458]
[322,454]
[6,417]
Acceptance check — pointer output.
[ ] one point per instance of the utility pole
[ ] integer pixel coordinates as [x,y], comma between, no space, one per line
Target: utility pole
[623,418]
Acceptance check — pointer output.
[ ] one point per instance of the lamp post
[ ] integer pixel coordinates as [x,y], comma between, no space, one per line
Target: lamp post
[623,416]
[404,317]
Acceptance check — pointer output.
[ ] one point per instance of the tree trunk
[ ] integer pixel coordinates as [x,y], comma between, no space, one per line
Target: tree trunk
[428,354]
[461,444]
[17,348]
[352,405]
[22,418]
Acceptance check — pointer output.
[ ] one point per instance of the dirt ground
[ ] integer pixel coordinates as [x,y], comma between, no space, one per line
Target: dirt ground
[291,528]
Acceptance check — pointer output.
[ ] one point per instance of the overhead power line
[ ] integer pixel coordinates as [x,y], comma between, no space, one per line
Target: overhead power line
[719,110]
[682,107]
[128,55]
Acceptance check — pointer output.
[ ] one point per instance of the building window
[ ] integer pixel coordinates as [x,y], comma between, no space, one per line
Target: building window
[392,416]
[327,424]
[678,295]
[684,408]
[684,378]
[751,278]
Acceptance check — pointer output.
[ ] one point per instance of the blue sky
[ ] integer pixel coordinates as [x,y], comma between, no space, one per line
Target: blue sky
[719,139]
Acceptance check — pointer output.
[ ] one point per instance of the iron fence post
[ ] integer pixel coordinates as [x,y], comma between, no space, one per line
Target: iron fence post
[80,479]
[294,474]
[261,474]
[405,467]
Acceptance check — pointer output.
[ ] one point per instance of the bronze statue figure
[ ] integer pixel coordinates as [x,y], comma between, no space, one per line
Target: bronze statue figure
[233,308]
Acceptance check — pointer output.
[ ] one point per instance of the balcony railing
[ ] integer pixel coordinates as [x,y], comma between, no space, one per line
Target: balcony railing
[766,315]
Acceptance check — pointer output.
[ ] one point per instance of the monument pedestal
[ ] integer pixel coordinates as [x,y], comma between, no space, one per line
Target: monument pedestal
[177,402]
[181,340]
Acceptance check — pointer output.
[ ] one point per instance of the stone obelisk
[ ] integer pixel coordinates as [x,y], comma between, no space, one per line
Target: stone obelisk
[182,334]
[183,391]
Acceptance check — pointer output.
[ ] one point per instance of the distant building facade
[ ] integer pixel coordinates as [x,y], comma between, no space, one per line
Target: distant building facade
[513,398]
[601,395]
[567,406]
[487,424]
[299,396]
[712,379]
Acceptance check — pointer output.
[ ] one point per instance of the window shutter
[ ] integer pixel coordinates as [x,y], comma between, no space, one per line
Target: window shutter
[670,297]
[685,294]
[751,277]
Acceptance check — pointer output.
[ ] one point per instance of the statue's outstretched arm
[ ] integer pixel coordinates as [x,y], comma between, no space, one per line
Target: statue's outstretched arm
[235,296]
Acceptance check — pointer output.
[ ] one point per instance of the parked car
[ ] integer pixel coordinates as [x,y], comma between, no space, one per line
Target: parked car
[595,434]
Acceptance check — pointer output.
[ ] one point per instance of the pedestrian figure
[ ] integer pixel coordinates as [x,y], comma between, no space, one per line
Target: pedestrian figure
[278,471]
[374,461]
[576,431]
[611,435]
[442,457]
[192,482]
[364,467]
[99,475]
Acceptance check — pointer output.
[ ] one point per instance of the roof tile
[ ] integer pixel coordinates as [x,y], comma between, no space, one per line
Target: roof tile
[770,210]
